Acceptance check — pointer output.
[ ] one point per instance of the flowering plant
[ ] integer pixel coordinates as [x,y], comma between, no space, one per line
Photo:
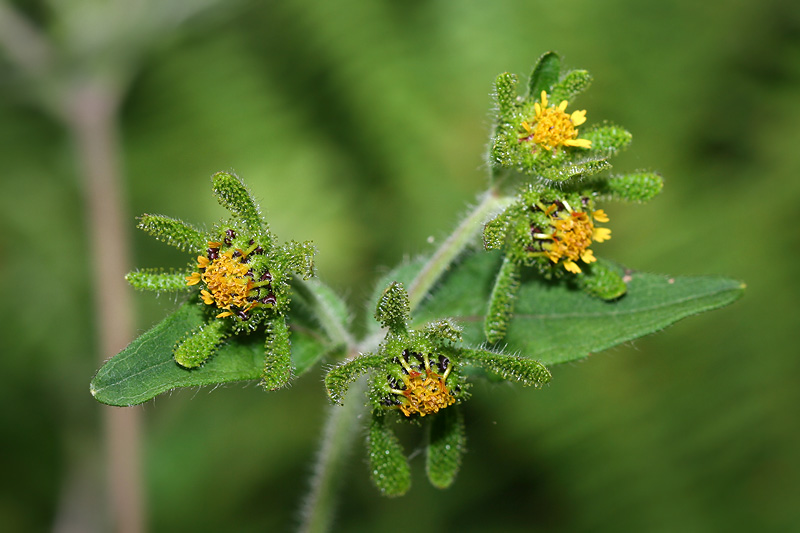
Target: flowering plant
[514,289]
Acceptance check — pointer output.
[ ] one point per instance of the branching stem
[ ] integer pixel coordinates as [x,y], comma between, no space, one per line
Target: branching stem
[320,503]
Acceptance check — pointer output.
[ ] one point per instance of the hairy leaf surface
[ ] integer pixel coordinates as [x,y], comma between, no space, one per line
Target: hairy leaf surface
[554,322]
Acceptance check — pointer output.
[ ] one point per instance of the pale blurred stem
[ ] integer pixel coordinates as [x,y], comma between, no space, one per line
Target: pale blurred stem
[319,506]
[90,112]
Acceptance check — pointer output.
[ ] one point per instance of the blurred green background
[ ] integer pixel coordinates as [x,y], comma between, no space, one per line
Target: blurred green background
[362,124]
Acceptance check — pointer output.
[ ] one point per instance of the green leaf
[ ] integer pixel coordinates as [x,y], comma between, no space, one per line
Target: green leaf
[199,344]
[387,462]
[446,446]
[146,368]
[174,232]
[634,187]
[234,196]
[339,378]
[581,169]
[509,367]
[278,356]
[574,82]
[315,305]
[602,281]
[556,322]
[156,279]
[393,309]
[501,300]
[607,139]
[545,74]
[505,88]
[403,273]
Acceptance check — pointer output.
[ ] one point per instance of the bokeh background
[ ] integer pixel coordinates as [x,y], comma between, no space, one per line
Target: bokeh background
[362,124]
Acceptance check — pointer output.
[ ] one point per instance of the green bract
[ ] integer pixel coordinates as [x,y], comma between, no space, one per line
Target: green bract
[242,274]
[419,374]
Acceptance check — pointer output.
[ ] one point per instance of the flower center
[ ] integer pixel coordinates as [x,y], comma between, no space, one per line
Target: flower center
[572,236]
[229,279]
[572,232]
[424,391]
[552,126]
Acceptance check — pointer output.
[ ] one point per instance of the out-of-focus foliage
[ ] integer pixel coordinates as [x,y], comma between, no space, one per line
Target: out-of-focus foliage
[361,124]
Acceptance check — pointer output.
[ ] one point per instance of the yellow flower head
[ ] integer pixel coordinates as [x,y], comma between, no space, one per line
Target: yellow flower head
[424,391]
[571,235]
[553,127]
[228,281]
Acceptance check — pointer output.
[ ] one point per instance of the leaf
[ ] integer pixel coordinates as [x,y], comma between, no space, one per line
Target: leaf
[393,308]
[555,322]
[339,378]
[146,368]
[581,169]
[446,446]
[233,195]
[174,232]
[545,74]
[387,462]
[403,273]
[509,367]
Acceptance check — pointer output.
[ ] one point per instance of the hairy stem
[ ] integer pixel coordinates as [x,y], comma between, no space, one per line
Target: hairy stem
[337,439]
[491,202]
[319,506]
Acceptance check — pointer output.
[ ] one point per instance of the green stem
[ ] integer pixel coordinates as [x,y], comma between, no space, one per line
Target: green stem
[462,236]
[337,439]
[318,508]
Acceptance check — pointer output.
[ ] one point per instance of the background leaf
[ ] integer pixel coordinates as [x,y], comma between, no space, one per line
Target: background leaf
[555,323]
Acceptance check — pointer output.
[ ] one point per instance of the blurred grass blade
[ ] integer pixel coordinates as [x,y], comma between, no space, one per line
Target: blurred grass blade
[555,323]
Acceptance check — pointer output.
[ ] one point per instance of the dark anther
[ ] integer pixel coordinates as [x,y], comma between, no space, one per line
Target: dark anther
[243,315]
[258,250]
[213,253]
[252,242]
[559,205]
[269,299]
[266,276]
[535,229]
[249,273]
[444,362]
[585,201]
[405,355]
[392,382]
[237,253]
[230,233]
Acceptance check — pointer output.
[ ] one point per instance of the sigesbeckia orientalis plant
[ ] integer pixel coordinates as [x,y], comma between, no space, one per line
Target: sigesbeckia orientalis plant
[515,288]
[418,373]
